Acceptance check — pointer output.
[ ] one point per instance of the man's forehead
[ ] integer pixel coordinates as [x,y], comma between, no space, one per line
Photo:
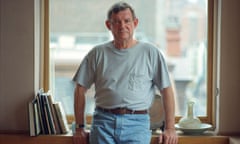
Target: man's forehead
[122,14]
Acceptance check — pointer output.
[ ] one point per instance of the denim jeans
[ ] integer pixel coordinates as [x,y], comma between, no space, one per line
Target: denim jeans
[110,128]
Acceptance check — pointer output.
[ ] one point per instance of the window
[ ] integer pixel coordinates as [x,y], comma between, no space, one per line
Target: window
[183,30]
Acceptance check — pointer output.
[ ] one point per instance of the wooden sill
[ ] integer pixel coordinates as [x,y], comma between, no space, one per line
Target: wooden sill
[67,139]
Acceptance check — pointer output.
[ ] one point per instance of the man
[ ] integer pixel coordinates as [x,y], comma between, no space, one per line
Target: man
[125,72]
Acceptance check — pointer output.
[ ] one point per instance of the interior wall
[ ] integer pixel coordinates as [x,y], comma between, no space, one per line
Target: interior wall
[16,62]
[229,116]
[17,65]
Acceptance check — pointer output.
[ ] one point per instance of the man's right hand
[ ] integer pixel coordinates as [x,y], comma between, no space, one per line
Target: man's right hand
[80,136]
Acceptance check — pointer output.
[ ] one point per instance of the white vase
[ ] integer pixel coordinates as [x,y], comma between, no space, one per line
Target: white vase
[190,121]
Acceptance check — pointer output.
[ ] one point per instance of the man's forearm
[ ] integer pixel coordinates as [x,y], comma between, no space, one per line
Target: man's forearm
[79,104]
[169,107]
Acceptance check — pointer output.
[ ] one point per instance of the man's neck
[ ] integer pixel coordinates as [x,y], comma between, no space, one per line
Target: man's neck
[124,44]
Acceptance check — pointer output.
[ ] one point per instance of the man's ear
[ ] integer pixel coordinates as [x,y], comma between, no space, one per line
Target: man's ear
[108,24]
[135,21]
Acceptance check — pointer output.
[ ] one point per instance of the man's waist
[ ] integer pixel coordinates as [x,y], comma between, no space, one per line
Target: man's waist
[122,110]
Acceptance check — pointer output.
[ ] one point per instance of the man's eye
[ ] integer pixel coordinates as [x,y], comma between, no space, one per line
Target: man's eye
[127,21]
[116,22]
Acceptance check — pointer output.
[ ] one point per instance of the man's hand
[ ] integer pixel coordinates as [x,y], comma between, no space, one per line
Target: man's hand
[169,136]
[80,136]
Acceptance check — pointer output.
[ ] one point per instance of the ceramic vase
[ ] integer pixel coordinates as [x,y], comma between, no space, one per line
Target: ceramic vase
[190,121]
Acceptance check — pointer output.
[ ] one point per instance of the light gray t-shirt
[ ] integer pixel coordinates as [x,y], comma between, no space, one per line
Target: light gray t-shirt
[126,77]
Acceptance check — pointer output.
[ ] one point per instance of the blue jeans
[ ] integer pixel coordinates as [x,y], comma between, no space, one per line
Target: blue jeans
[109,128]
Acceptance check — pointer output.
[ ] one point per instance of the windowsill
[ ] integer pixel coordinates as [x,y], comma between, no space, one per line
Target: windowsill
[206,138]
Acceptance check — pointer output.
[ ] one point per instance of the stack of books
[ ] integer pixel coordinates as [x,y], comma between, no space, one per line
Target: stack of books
[46,116]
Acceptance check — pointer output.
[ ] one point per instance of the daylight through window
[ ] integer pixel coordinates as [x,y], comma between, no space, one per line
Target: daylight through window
[178,27]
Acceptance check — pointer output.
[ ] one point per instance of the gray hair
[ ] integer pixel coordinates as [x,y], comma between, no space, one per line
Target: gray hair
[120,6]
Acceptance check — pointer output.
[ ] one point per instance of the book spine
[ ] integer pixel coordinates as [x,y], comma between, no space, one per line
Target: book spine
[31,119]
[43,114]
[52,129]
[54,115]
[61,117]
[40,112]
[36,117]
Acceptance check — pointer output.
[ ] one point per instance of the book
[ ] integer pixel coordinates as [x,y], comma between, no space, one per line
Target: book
[61,116]
[54,114]
[48,115]
[36,118]
[40,111]
[34,125]
[31,119]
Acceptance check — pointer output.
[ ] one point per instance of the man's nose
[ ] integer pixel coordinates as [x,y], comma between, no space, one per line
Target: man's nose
[123,23]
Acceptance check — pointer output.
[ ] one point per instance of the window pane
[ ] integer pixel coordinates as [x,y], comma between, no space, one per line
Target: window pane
[179,28]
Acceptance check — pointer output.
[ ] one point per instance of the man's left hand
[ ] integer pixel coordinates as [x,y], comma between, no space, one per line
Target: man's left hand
[169,136]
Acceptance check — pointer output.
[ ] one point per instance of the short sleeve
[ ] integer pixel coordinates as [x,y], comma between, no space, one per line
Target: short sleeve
[161,75]
[85,73]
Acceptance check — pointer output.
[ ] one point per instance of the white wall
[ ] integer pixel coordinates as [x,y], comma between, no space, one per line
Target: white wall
[230,68]
[16,62]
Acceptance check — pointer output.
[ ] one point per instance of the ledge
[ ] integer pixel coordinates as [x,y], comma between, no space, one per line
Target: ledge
[234,140]
[207,138]
[67,139]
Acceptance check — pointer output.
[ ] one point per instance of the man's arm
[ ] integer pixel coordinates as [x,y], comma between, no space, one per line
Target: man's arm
[169,135]
[79,106]
[169,107]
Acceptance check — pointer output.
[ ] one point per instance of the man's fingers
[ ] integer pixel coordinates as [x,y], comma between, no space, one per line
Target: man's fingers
[160,138]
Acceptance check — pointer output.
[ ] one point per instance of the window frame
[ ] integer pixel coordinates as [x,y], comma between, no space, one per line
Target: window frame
[211,60]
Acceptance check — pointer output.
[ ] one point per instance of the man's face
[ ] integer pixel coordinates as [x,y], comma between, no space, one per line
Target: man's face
[122,25]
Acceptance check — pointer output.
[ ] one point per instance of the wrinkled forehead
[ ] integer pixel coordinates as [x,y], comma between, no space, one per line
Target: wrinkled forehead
[124,14]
